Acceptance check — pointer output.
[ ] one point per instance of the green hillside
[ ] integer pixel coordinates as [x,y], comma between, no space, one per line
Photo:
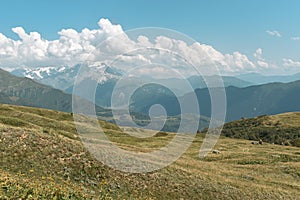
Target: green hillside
[41,157]
[281,129]
[26,92]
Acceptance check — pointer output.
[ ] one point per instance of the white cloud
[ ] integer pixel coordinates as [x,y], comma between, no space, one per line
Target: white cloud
[238,62]
[73,47]
[143,41]
[108,28]
[273,33]
[260,61]
[263,64]
[295,38]
[290,66]
[258,53]
[290,63]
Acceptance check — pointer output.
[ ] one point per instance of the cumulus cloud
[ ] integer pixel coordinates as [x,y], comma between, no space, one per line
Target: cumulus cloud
[258,53]
[290,66]
[273,33]
[73,47]
[290,63]
[238,62]
[260,60]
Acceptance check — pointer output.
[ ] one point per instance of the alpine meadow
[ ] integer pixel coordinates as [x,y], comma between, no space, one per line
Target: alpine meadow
[149,100]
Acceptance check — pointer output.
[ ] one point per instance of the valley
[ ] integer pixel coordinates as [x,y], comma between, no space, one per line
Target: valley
[149,100]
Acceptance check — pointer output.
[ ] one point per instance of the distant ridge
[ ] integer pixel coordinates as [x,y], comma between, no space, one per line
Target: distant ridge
[258,79]
[252,101]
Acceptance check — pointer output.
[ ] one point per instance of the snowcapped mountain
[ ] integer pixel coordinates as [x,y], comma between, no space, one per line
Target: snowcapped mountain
[63,77]
[39,73]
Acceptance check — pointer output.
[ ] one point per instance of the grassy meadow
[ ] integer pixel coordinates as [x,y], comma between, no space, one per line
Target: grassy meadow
[42,157]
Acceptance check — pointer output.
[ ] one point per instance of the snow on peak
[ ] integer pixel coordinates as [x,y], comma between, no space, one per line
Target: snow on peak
[63,77]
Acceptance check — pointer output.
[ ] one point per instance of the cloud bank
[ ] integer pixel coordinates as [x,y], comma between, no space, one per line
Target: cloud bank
[72,47]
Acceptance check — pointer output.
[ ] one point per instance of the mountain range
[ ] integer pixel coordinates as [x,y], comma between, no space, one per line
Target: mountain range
[106,77]
[63,77]
[242,100]
[27,92]
[258,79]
[271,98]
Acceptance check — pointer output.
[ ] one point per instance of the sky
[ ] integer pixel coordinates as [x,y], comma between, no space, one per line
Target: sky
[266,32]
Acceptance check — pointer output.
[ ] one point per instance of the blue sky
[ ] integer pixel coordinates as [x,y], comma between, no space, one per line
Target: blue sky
[228,26]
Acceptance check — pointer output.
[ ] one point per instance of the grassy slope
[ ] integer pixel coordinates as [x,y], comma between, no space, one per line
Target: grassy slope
[41,157]
[24,91]
[279,129]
